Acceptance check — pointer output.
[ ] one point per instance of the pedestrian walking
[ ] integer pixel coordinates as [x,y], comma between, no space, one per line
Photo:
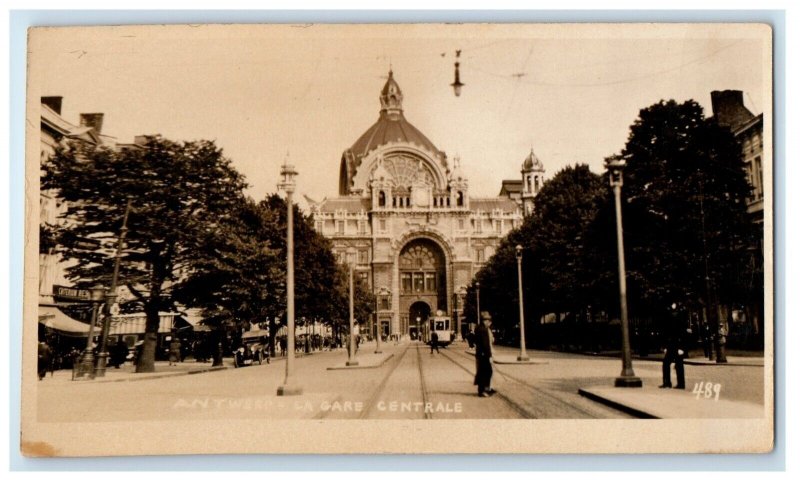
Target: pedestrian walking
[119,353]
[45,358]
[483,356]
[174,351]
[673,353]
[434,342]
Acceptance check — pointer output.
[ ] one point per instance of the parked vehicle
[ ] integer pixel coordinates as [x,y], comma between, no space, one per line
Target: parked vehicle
[254,349]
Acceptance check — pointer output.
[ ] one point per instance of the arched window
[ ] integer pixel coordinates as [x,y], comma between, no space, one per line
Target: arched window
[529,183]
[381,199]
[536,184]
[460,199]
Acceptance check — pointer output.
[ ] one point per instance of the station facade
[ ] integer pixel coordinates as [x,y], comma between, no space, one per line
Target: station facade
[404,216]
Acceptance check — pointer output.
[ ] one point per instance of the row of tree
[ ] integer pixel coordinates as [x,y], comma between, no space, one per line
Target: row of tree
[688,238]
[194,240]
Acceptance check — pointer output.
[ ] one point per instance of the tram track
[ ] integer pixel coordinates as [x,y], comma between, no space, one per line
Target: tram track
[555,400]
[423,385]
[370,403]
[515,406]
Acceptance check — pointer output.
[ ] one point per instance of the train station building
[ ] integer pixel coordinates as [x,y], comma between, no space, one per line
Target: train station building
[404,215]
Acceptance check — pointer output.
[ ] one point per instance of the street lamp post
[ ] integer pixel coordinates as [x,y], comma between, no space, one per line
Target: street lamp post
[111,297]
[523,354]
[627,378]
[478,302]
[96,294]
[351,353]
[378,329]
[287,184]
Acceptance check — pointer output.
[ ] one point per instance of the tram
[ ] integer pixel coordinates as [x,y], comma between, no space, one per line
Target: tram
[440,324]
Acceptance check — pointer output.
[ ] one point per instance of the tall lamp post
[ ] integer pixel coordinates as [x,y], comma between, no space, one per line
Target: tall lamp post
[287,184]
[378,329]
[478,302]
[523,354]
[351,353]
[111,297]
[96,295]
[626,378]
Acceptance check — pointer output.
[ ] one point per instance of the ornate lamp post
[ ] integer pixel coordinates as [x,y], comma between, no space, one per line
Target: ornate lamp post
[111,297]
[96,295]
[351,353]
[289,387]
[460,300]
[627,378]
[523,354]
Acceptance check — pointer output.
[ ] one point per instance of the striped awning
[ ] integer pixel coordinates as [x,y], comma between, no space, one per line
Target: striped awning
[53,318]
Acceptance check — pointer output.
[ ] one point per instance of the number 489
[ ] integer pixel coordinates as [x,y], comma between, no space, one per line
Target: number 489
[707,390]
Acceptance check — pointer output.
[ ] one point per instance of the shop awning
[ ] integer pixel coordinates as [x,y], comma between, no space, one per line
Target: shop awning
[256,333]
[53,318]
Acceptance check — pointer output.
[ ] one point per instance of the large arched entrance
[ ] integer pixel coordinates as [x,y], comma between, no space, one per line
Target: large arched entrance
[423,282]
[418,315]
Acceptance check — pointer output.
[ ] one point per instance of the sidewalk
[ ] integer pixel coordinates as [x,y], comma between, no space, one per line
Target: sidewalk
[508,358]
[127,372]
[694,360]
[652,402]
[365,361]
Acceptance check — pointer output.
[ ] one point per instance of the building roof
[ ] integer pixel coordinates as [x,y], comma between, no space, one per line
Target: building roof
[490,204]
[390,128]
[510,187]
[349,204]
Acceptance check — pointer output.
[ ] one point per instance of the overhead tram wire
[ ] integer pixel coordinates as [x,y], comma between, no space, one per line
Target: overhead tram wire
[517,76]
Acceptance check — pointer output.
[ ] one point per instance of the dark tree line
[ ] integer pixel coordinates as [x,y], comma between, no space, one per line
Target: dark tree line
[194,238]
[688,238]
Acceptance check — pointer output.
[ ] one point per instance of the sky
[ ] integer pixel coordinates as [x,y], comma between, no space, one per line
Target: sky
[570,92]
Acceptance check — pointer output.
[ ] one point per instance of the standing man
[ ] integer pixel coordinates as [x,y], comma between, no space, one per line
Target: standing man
[483,356]
[434,342]
[674,352]
[45,359]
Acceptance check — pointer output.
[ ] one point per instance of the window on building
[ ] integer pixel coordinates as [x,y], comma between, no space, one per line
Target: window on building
[384,303]
[460,224]
[430,282]
[363,256]
[419,282]
[364,276]
[405,280]
[340,227]
[460,199]
[759,188]
[498,226]
[477,224]
[319,225]
[362,227]
[383,225]
[381,199]
[479,254]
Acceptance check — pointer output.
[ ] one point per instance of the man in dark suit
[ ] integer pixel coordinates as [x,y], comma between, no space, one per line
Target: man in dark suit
[483,356]
[674,351]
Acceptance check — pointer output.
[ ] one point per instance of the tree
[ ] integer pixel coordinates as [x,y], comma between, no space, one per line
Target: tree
[181,191]
[558,271]
[686,226]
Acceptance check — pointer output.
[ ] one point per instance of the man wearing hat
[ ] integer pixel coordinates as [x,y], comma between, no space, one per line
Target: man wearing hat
[483,355]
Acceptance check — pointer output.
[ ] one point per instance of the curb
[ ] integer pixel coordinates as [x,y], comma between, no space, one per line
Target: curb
[618,406]
[345,368]
[166,374]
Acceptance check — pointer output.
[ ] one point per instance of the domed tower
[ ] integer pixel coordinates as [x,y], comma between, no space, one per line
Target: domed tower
[532,180]
[391,133]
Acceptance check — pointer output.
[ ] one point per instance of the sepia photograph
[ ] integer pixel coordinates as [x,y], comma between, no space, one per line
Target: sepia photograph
[398,238]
